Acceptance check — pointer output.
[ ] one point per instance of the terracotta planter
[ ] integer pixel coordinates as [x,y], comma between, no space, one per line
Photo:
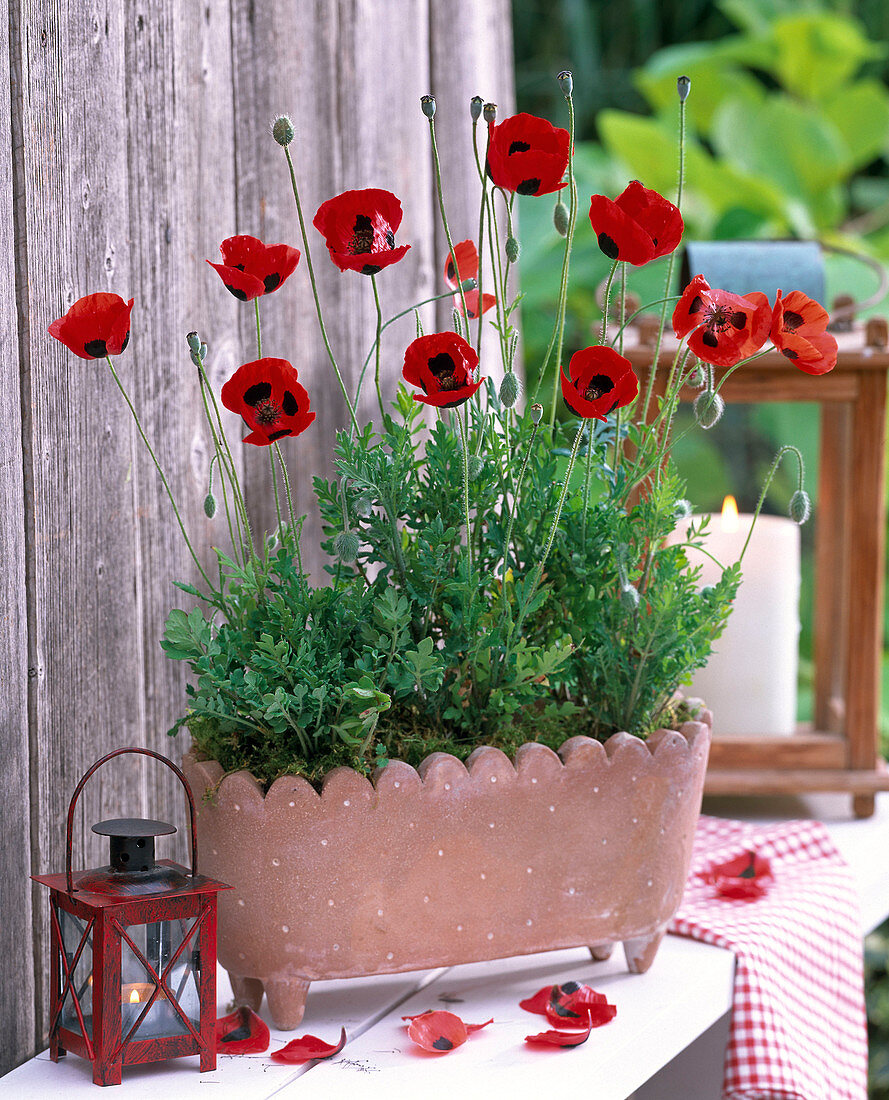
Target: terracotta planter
[451,863]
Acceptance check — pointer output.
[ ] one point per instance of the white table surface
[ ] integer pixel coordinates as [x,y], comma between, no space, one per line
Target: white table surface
[674,1016]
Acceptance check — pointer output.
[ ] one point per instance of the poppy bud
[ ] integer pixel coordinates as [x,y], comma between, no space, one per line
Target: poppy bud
[194,341]
[490,112]
[696,377]
[509,390]
[476,465]
[682,509]
[800,507]
[708,408]
[512,249]
[363,505]
[345,546]
[629,597]
[209,506]
[427,105]
[203,352]
[282,130]
[560,218]
[683,87]
[475,107]
[566,83]
[537,412]
[469,284]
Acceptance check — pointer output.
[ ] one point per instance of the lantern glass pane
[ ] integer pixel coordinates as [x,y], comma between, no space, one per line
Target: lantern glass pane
[158,942]
[72,933]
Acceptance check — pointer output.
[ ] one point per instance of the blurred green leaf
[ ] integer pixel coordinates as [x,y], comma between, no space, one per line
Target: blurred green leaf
[818,52]
[860,113]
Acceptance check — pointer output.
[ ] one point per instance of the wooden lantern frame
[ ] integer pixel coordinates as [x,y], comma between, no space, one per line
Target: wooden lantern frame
[106,918]
[840,750]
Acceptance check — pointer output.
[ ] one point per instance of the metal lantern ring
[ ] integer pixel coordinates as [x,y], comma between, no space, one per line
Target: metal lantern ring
[133,967]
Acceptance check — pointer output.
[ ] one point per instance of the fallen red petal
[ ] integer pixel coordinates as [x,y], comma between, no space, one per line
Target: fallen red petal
[242,1032]
[477,1027]
[560,1038]
[307,1049]
[575,1005]
[538,1002]
[439,1032]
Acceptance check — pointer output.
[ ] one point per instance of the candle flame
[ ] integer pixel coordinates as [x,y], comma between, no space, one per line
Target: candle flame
[729,514]
[134,997]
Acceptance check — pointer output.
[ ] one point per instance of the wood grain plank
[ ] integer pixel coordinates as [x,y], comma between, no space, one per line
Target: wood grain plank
[800,750]
[181,188]
[329,66]
[87,678]
[16,967]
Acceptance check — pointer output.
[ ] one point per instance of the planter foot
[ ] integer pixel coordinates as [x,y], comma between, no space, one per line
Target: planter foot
[287,1001]
[602,951]
[640,952]
[247,991]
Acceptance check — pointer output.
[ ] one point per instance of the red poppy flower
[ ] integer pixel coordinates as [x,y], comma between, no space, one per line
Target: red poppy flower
[359,228]
[242,1032]
[439,1031]
[527,155]
[444,366]
[725,328]
[270,399]
[744,878]
[467,268]
[638,226]
[798,332]
[250,268]
[95,326]
[307,1049]
[598,381]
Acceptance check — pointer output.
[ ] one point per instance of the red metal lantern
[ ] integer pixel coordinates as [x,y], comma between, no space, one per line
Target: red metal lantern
[133,969]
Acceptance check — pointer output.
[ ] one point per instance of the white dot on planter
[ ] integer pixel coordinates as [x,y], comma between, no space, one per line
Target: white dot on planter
[215,853]
[493,778]
[426,899]
[379,912]
[440,851]
[529,870]
[447,786]
[529,922]
[483,874]
[604,839]
[346,802]
[663,830]
[240,901]
[490,935]
[285,927]
[459,927]
[241,955]
[632,778]
[595,790]
[635,820]
[552,809]
[291,804]
[491,826]
[534,780]
[336,947]
[649,883]
[323,843]
[237,807]
[390,956]
[571,890]
[410,824]
[276,862]
[396,785]
[330,901]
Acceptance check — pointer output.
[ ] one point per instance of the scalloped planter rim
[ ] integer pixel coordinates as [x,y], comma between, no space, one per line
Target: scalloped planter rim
[449,863]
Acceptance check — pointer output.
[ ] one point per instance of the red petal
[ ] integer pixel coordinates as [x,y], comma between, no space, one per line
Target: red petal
[574,1005]
[477,1027]
[307,1049]
[467,264]
[560,1038]
[537,1004]
[241,1032]
[438,1032]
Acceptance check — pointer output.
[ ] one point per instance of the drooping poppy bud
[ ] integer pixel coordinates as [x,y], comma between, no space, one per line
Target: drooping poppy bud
[708,408]
[509,390]
[560,218]
[800,507]
[345,546]
[95,326]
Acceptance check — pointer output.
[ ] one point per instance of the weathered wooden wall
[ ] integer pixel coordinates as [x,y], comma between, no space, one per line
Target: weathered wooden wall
[138,134]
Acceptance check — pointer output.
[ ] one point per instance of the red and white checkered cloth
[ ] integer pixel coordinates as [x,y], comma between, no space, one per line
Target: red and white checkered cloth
[798,1028]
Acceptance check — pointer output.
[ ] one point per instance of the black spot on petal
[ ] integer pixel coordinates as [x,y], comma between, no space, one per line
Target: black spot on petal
[289,404]
[238,267]
[792,321]
[608,246]
[370,269]
[709,338]
[260,391]
[528,187]
[518,147]
[241,295]
[789,353]
[126,340]
[442,364]
[271,281]
[390,238]
[278,435]
[450,272]
[239,1033]
[697,304]
[738,319]
[570,987]
[441,1043]
[96,348]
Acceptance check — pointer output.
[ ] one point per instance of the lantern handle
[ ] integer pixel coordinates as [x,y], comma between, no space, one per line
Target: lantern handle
[94,768]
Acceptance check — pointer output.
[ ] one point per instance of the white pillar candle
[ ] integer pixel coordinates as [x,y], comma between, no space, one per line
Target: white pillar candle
[750,680]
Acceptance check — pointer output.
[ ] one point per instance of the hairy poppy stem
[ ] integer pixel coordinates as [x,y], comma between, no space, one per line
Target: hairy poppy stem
[287,491]
[660,334]
[559,329]
[258,329]
[618,449]
[444,218]
[373,282]
[483,205]
[237,543]
[464,441]
[773,469]
[160,471]
[271,456]
[514,508]
[311,270]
